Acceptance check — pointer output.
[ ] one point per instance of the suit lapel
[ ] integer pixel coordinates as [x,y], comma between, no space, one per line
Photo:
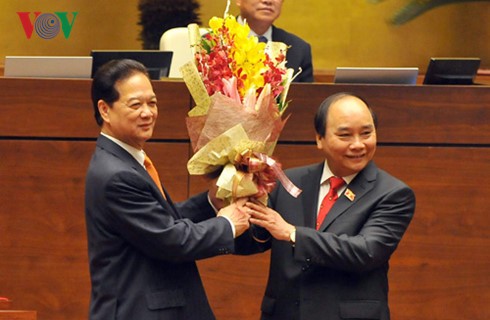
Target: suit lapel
[275,36]
[311,186]
[127,158]
[360,186]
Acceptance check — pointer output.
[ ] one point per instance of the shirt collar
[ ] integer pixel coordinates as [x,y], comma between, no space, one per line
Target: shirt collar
[138,154]
[327,173]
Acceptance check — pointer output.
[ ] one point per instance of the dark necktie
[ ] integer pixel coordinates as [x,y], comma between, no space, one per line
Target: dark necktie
[329,200]
[153,173]
[262,39]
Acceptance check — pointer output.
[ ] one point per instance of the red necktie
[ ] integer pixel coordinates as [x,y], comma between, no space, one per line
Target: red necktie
[329,200]
[153,173]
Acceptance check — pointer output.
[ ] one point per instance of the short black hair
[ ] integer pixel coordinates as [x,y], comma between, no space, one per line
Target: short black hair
[321,115]
[103,84]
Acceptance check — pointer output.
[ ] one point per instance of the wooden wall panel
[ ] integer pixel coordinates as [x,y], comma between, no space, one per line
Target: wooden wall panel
[407,114]
[442,268]
[48,108]
[173,104]
[17,315]
[235,285]
[44,264]
[433,138]
[42,230]
[63,108]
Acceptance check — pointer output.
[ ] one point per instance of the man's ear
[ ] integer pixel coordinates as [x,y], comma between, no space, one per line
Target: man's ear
[319,143]
[104,110]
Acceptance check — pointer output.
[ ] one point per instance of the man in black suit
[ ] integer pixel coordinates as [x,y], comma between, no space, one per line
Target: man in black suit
[142,247]
[335,268]
[260,16]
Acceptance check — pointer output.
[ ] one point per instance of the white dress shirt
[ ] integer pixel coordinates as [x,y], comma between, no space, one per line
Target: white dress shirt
[325,186]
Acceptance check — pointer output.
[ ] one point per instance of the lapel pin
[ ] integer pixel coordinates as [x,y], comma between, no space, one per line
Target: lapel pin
[350,195]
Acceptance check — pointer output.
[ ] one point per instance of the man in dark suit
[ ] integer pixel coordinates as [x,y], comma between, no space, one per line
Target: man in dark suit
[142,246]
[260,16]
[336,268]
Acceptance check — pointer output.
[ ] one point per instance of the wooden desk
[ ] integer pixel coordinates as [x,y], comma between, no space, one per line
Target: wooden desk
[433,138]
[17,315]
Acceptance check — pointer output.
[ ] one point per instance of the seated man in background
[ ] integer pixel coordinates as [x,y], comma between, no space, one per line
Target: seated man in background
[260,16]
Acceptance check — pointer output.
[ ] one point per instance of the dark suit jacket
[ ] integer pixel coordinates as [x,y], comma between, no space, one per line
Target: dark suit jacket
[341,271]
[298,55]
[141,247]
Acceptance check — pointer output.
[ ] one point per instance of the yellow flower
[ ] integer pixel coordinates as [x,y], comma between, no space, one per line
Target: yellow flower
[215,23]
[235,53]
[237,29]
[248,55]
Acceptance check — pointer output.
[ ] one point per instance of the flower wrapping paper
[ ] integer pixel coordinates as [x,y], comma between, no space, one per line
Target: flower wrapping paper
[237,120]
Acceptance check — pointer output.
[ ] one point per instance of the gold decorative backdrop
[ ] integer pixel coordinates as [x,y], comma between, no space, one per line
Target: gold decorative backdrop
[342,33]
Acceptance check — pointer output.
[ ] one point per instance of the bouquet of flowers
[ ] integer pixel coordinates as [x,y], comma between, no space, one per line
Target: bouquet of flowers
[239,85]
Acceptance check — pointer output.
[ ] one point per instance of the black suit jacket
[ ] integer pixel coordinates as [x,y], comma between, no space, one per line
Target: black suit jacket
[340,271]
[141,247]
[298,55]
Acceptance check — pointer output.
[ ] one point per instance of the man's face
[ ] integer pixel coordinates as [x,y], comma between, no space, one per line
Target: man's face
[131,118]
[350,138]
[262,11]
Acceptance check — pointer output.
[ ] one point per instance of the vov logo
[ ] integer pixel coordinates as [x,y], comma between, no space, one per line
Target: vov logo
[47,25]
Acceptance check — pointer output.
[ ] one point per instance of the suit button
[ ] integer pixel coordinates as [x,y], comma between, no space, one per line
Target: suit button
[308,260]
[296,303]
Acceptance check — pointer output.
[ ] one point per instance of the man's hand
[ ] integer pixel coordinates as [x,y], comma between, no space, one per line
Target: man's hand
[238,215]
[270,219]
